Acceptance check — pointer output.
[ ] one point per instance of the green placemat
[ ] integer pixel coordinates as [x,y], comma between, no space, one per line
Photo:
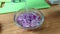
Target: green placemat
[13,7]
[5,0]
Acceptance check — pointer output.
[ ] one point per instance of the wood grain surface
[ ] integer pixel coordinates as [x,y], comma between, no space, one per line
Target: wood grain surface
[51,24]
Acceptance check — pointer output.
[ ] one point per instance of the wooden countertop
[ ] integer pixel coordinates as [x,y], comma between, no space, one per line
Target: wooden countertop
[51,24]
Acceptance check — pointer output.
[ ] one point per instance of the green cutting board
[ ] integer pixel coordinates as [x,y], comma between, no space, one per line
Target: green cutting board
[14,7]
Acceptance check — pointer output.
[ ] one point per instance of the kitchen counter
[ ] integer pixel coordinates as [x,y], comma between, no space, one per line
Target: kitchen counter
[51,24]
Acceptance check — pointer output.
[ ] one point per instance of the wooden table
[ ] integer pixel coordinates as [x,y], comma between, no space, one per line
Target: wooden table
[51,24]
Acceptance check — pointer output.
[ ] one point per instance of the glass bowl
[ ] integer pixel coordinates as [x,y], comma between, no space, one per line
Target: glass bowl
[30,19]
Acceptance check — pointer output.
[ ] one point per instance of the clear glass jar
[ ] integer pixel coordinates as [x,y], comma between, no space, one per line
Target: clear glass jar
[29,20]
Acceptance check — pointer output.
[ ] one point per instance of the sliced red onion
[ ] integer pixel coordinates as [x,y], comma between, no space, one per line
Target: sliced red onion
[28,19]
